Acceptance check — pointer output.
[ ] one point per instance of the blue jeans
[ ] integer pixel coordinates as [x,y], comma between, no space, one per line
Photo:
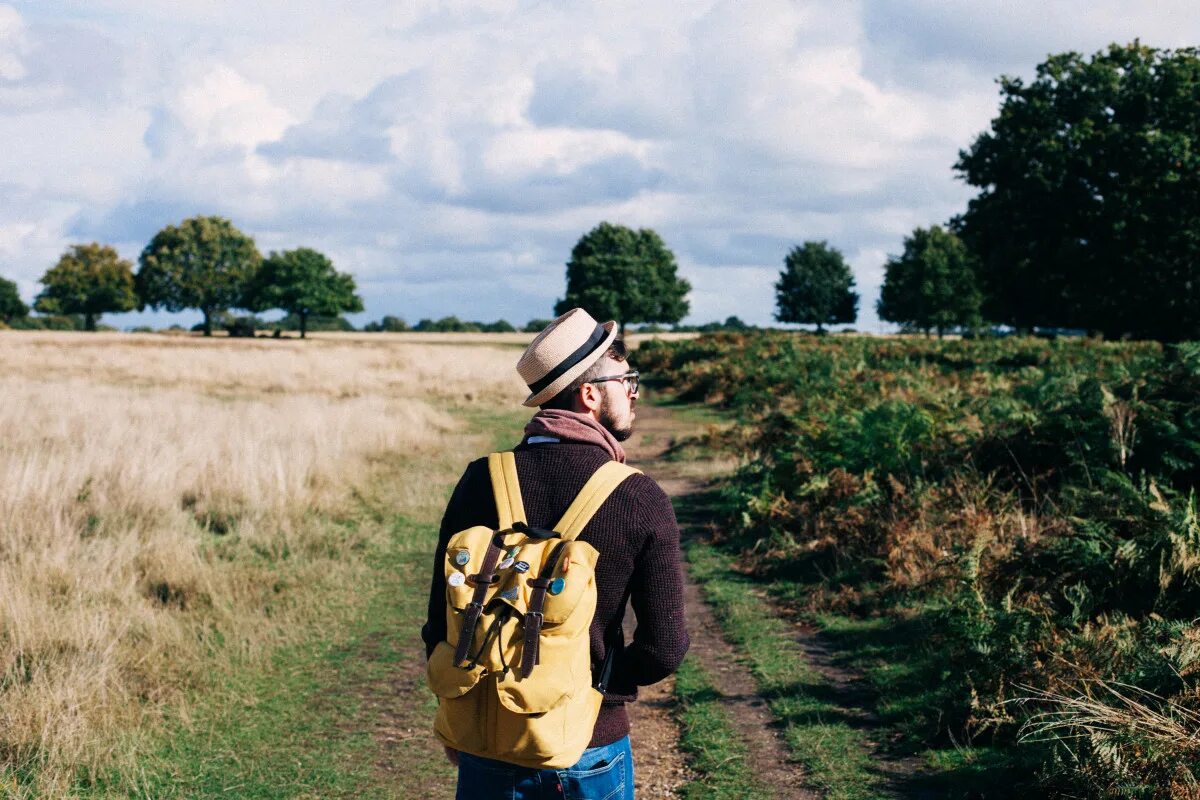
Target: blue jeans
[602,773]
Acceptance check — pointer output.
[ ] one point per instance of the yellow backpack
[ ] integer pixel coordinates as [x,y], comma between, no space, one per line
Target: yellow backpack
[514,677]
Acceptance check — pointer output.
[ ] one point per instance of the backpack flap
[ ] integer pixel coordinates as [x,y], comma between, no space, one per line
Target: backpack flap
[467,547]
[502,468]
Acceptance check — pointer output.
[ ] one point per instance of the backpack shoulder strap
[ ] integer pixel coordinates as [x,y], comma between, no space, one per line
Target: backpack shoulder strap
[582,508]
[507,490]
[591,497]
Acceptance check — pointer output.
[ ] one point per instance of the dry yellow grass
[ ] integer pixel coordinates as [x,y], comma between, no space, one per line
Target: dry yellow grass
[172,506]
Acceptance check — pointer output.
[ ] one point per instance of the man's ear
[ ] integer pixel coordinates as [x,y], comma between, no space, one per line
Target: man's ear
[589,398]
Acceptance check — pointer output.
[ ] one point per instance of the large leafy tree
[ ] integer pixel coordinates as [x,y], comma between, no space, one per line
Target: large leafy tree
[10,301]
[932,284]
[618,273]
[815,287]
[89,280]
[303,283]
[203,263]
[1089,207]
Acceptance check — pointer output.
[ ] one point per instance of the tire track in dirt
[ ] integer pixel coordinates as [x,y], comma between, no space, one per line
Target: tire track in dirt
[901,775]
[657,430]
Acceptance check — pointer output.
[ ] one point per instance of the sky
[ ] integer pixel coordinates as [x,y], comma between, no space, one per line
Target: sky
[449,153]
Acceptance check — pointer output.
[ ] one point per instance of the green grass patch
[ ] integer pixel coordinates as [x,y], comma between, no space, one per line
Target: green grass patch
[303,727]
[716,753]
[833,751]
[696,415]
[908,678]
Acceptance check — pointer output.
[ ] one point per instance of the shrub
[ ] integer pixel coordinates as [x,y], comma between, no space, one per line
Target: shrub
[388,324]
[446,325]
[241,327]
[291,322]
[1036,497]
[47,322]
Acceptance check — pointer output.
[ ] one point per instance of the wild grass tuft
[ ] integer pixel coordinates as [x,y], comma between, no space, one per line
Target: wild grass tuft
[1115,737]
[717,755]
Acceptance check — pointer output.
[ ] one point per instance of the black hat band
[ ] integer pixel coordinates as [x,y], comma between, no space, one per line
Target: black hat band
[587,348]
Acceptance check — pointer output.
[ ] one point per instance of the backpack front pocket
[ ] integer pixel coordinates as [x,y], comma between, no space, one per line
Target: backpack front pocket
[446,679]
[579,558]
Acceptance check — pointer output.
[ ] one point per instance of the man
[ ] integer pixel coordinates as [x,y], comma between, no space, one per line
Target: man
[578,375]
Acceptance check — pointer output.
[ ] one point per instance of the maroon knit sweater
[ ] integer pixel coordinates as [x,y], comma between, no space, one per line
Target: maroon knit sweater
[638,540]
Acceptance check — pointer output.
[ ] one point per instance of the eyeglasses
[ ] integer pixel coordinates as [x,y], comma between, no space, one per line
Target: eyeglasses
[630,379]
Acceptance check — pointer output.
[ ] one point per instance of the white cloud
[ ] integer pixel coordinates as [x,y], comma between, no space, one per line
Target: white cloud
[450,152]
[31,235]
[935,41]
[13,44]
[518,152]
[221,108]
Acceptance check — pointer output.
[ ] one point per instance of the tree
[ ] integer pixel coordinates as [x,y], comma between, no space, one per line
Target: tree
[291,322]
[302,282]
[90,280]
[932,284]
[536,325]
[815,287]
[449,324]
[389,324]
[1088,212]
[203,263]
[734,324]
[626,275]
[10,302]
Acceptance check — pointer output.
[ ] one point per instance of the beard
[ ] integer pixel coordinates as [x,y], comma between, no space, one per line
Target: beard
[611,424]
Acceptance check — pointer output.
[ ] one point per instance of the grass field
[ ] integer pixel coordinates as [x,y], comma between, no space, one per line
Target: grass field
[176,512]
[214,557]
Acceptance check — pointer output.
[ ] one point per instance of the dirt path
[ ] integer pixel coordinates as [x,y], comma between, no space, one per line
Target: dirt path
[901,776]
[659,767]
[657,430]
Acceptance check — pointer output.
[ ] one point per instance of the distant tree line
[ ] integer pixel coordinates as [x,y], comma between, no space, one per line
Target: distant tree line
[390,324]
[203,263]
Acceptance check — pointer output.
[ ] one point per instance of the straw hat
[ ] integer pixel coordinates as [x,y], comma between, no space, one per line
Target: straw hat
[563,352]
